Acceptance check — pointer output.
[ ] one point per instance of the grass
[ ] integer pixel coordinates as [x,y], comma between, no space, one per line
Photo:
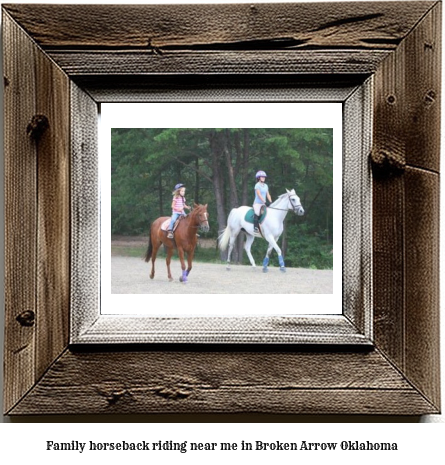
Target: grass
[308,254]
[201,254]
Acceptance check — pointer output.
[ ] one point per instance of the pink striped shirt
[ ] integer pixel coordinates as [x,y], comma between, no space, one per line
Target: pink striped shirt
[178,204]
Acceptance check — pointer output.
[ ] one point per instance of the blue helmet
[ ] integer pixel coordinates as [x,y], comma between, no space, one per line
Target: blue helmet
[261,174]
[178,186]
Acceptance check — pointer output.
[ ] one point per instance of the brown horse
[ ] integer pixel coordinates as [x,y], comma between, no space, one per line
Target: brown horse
[185,240]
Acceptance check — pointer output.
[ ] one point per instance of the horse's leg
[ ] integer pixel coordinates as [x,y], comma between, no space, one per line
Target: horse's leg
[156,245]
[266,258]
[168,259]
[273,243]
[247,246]
[190,256]
[183,278]
[232,241]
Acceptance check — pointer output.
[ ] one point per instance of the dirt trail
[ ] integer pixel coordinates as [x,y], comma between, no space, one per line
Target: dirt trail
[131,276]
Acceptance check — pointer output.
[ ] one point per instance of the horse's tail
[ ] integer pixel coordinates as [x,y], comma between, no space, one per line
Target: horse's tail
[150,248]
[224,237]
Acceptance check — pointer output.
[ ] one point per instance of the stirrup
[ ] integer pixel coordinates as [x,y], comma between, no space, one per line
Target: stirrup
[170,235]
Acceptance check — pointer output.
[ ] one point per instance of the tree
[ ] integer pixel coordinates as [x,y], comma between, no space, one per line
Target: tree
[218,167]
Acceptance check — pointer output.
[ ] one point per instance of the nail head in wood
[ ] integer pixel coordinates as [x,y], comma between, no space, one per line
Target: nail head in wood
[430,97]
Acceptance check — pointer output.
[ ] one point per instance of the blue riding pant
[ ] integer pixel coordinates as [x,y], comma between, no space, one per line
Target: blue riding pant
[175,216]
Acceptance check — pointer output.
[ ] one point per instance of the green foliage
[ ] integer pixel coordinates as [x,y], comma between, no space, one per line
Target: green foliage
[147,163]
[309,250]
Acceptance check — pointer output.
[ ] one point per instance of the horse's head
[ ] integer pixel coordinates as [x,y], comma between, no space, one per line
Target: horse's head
[295,203]
[201,217]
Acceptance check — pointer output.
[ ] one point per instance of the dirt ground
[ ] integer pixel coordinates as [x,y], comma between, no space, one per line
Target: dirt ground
[131,276]
[137,241]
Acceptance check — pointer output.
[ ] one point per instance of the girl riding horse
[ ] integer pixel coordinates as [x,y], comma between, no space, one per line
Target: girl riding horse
[185,240]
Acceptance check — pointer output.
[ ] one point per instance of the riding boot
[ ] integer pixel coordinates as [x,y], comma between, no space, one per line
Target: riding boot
[256,220]
[170,234]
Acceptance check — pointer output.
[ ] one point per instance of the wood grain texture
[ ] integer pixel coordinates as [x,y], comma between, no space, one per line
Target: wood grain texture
[219,87]
[407,113]
[79,63]
[20,213]
[398,42]
[109,329]
[223,382]
[422,364]
[389,143]
[159,27]
[53,198]
[85,213]
[37,193]
[388,268]
[423,91]
[406,206]
[357,209]
[196,39]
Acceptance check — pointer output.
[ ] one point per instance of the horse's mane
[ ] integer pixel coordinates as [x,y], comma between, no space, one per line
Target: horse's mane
[280,197]
[196,210]
[197,207]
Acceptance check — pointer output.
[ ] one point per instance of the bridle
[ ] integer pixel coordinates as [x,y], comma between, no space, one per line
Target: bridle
[293,207]
[206,220]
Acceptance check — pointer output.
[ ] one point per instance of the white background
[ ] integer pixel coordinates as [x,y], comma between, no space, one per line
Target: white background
[24,441]
[220,115]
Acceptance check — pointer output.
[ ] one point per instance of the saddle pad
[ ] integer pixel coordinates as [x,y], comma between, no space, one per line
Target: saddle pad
[250,213]
[165,225]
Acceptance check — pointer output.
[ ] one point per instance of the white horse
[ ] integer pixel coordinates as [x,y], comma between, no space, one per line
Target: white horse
[271,228]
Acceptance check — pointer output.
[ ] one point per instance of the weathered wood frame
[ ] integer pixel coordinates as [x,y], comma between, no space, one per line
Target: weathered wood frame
[90,323]
[78,56]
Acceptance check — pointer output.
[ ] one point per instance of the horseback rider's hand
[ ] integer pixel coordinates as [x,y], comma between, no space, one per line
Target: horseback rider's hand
[268,203]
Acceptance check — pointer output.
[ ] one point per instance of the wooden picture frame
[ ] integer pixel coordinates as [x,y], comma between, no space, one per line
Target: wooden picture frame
[75,57]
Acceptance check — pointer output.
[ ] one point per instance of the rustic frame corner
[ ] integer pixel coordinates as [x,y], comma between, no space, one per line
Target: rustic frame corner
[54,66]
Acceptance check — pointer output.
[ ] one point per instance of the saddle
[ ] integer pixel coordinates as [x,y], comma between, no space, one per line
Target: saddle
[250,215]
[166,223]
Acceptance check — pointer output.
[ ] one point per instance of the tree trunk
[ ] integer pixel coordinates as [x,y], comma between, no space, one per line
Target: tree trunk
[230,172]
[218,185]
[245,166]
[244,184]
[161,198]
[233,192]
[197,180]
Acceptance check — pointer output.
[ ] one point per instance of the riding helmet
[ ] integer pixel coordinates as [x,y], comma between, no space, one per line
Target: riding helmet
[261,174]
[178,186]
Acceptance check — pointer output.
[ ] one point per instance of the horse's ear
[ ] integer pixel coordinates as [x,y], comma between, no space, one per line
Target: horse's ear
[287,190]
[195,204]
[292,192]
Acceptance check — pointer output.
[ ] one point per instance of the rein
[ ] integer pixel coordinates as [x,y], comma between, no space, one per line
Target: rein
[193,225]
[281,209]
[284,209]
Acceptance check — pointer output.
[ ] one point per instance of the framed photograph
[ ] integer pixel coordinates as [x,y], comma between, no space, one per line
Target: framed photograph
[122,107]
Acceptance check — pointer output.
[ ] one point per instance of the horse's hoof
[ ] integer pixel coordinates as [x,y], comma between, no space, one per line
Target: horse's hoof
[228,268]
[283,269]
[171,279]
[265,270]
[180,279]
[151,277]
